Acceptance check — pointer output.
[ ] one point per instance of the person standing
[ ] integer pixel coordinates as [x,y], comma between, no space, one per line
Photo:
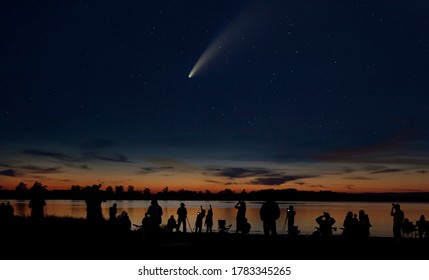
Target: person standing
[113,210]
[241,215]
[269,213]
[37,201]
[154,212]
[290,218]
[182,214]
[398,219]
[209,219]
[94,198]
[199,220]
[364,225]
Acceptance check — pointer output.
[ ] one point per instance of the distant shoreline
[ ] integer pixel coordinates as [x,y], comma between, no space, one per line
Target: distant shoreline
[226,195]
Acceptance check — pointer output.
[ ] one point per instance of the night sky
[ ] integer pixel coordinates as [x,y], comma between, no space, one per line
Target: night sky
[309,94]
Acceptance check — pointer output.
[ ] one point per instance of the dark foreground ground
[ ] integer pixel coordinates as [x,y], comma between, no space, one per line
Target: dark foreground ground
[74,239]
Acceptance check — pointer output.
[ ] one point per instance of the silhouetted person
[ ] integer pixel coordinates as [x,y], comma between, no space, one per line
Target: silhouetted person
[146,227]
[408,227]
[209,219]
[398,219]
[8,213]
[124,221]
[325,223]
[245,228]
[290,218]
[37,201]
[36,205]
[171,224]
[364,225]
[422,227]
[113,210]
[241,215]
[93,200]
[154,212]
[350,226]
[269,213]
[2,212]
[199,220]
[182,214]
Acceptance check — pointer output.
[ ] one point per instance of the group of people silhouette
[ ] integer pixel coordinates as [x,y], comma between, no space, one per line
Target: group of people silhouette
[182,219]
[355,226]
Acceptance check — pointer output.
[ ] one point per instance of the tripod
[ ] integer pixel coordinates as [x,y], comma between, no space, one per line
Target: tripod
[190,227]
[284,224]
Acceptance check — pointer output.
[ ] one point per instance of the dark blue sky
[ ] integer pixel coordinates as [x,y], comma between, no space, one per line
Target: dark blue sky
[321,95]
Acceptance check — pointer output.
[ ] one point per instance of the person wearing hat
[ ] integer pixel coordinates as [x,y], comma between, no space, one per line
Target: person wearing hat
[182,214]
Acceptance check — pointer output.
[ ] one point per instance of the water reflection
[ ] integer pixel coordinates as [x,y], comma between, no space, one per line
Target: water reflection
[306,212]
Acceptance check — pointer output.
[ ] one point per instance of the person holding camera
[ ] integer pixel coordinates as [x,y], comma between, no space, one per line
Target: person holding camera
[325,222]
[290,218]
[398,220]
[241,215]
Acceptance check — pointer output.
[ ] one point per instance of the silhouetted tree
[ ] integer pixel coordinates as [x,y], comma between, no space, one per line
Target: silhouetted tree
[146,192]
[38,187]
[109,190]
[22,187]
[119,191]
[76,188]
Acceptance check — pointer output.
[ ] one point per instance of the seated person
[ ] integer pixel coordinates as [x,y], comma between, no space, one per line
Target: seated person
[171,224]
[408,226]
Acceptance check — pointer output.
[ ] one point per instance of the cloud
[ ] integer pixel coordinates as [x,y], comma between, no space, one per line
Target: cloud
[238,172]
[389,170]
[275,181]
[54,155]
[41,170]
[8,172]
[115,158]
[213,181]
[358,178]
[405,148]
[407,190]
[97,144]
[163,164]
[154,169]
[257,176]
[175,164]
[82,166]
[318,187]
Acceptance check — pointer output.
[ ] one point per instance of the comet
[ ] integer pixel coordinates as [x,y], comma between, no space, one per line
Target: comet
[236,35]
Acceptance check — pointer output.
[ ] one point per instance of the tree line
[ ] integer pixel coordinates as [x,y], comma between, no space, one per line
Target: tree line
[119,192]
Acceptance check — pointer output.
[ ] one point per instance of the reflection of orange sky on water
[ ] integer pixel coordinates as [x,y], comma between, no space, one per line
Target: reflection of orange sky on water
[306,212]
